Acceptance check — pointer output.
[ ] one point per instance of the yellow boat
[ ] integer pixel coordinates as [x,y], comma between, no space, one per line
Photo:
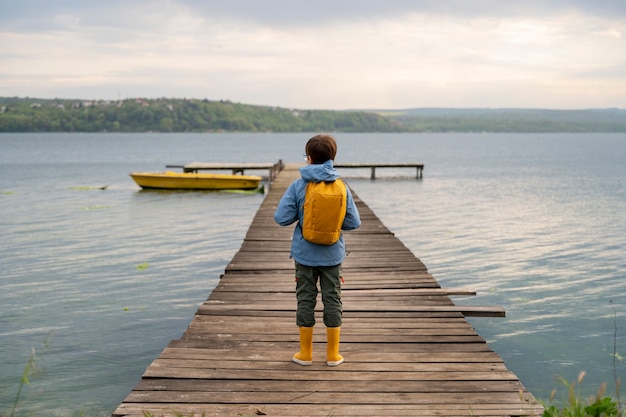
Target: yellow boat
[194,181]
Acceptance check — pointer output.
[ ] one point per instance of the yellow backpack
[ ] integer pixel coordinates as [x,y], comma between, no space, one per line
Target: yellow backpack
[324,211]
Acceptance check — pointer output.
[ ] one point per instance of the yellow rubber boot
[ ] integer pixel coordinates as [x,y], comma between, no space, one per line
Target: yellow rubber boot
[305,356]
[333,358]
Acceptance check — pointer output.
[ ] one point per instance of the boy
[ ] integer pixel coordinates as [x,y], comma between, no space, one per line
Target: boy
[316,261]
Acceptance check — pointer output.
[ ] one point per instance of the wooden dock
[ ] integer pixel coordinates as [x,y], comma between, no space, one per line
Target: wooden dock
[236,168]
[275,167]
[419,168]
[408,349]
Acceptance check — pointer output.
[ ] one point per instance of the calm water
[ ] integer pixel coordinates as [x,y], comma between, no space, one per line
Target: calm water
[534,223]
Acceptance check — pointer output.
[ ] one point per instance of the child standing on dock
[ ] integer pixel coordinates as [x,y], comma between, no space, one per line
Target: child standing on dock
[318,261]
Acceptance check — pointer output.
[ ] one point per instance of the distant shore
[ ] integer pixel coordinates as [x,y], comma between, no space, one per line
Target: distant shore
[203,115]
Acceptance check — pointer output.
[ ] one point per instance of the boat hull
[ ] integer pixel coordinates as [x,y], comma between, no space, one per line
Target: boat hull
[194,181]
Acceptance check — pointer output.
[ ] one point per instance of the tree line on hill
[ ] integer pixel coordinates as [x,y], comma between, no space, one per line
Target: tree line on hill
[512,120]
[178,115]
[194,115]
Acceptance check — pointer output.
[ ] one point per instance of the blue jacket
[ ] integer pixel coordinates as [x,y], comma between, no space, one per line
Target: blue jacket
[289,210]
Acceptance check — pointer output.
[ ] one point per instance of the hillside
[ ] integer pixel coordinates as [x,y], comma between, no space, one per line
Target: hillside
[177,115]
[194,115]
[509,120]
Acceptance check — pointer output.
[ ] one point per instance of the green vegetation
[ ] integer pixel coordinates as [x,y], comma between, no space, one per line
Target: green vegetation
[31,370]
[142,267]
[600,406]
[177,115]
[88,188]
[510,120]
[576,406]
[193,115]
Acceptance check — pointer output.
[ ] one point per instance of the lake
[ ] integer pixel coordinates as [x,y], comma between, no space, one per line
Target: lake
[98,281]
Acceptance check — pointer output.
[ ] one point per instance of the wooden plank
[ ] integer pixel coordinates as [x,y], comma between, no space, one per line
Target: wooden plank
[325,410]
[351,291]
[264,355]
[382,327]
[361,386]
[373,165]
[317,373]
[383,349]
[226,165]
[409,350]
[474,311]
[427,371]
[306,397]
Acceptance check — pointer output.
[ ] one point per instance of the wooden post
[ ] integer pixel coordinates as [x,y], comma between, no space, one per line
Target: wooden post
[373,176]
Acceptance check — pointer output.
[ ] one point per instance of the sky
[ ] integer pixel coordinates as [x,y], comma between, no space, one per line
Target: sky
[335,55]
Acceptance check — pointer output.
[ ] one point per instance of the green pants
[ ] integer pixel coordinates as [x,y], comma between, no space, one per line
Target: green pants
[306,294]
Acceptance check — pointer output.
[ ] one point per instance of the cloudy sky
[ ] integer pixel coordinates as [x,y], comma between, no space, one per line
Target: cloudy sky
[340,54]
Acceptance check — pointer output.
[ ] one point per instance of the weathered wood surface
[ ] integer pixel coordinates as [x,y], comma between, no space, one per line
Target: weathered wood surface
[409,350]
[236,167]
[373,165]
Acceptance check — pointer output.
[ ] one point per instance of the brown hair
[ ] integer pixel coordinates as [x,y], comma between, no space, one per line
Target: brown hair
[321,148]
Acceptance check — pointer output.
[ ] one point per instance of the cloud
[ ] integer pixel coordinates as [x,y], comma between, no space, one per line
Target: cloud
[296,12]
[289,13]
[321,54]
